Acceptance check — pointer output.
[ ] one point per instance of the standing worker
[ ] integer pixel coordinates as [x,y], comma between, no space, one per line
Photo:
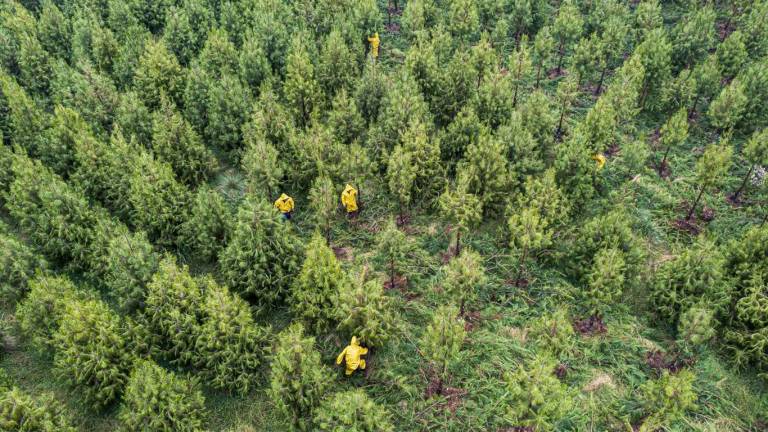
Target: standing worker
[285,205]
[375,41]
[351,355]
[349,200]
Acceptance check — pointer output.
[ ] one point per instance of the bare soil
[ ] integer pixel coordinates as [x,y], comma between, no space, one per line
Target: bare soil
[342,253]
[591,326]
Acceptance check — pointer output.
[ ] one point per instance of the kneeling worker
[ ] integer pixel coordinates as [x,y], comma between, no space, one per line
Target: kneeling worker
[349,200]
[285,205]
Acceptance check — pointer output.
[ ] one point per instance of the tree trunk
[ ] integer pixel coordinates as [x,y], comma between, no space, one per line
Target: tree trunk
[458,242]
[765,218]
[560,123]
[600,83]
[561,52]
[743,183]
[644,95]
[514,98]
[695,203]
[664,159]
[538,73]
[392,273]
[521,267]
[693,108]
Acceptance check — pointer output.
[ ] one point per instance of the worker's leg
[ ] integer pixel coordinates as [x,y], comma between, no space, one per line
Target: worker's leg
[362,364]
[348,371]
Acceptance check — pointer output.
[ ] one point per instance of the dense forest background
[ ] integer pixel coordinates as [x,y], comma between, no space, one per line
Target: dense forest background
[562,219]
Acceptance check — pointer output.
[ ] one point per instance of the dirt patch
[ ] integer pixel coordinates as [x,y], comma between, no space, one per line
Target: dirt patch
[342,253]
[591,326]
[658,361]
[393,28]
[519,429]
[454,398]
[519,283]
[689,226]
[613,150]
[655,138]
[517,333]
[471,320]
[555,73]
[447,256]
[561,371]
[598,382]
[664,170]
[707,214]
[400,282]
[403,220]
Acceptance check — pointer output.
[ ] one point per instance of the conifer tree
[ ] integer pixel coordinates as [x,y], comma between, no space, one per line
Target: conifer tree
[322,201]
[174,141]
[90,351]
[537,398]
[261,164]
[186,27]
[648,18]
[21,412]
[462,19]
[485,171]
[710,170]
[754,26]
[462,277]
[529,233]
[229,105]
[230,346]
[493,100]
[22,119]
[693,36]
[54,30]
[673,134]
[393,247]
[358,169]
[667,399]
[254,64]
[337,66]
[196,97]
[553,333]
[707,76]
[728,109]
[402,105]
[732,54]
[442,341]
[58,150]
[39,314]
[745,334]
[210,224]
[755,82]
[425,157]
[520,66]
[262,256]
[159,400]
[462,132]
[401,173]
[18,264]
[605,281]
[696,275]
[567,91]
[157,73]
[134,118]
[219,55]
[127,268]
[655,53]
[756,153]
[566,29]
[301,88]
[369,92]
[352,411]
[461,209]
[543,194]
[695,328]
[298,380]
[344,118]
[542,51]
[365,311]
[316,288]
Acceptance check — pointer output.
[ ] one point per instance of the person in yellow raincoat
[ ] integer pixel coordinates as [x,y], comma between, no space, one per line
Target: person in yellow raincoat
[349,200]
[285,205]
[375,41]
[600,160]
[351,355]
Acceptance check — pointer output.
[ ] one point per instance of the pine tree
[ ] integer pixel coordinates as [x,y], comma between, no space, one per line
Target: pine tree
[128,267]
[352,411]
[707,76]
[542,51]
[693,36]
[605,281]
[520,65]
[462,277]
[728,109]
[655,53]
[159,400]
[543,194]
[493,100]
[756,153]
[755,81]
[219,55]
[536,396]
[22,119]
[186,27]
[553,333]
[648,17]
[667,399]
[732,54]
[711,167]
[337,66]
[567,91]
[298,380]
[462,19]
[745,335]
[157,73]
[254,64]
[54,30]
[210,224]
[393,248]
[425,157]
[696,328]
[90,352]
[39,314]
[365,311]
[566,29]
[529,233]
[461,209]
[261,162]
[301,88]
[134,118]
[442,341]
[696,275]
[485,171]
[22,412]
[230,346]
[369,92]
[673,134]
[18,265]
[462,132]
[358,169]
[174,141]
[59,150]
[322,201]
[756,29]
[262,256]
[344,118]
[316,288]
[401,173]
[229,107]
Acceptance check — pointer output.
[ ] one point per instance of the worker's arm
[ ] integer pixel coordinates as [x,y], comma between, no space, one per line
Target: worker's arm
[363,351]
[341,357]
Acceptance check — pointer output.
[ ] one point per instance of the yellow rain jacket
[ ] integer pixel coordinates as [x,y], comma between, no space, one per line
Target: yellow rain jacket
[375,41]
[600,159]
[351,355]
[349,199]
[284,204]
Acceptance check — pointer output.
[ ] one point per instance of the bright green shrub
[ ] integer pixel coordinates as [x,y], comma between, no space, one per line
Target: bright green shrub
[128,266]
[39,314]
[553,332]
[393,249]
[298,380]
[462,276]
[158,72]
[694,276]
[174,311]
[352,411]
[210,225]
[667,399]
[23,413]
[23,120]
[159,400]
[262,256]
[536,398]
[316,288]
[230,345]
[443,339]
[229,107]
[159,204]
[18,264]
[605,281]
[747,256]
[90,351]
[365,311]
[174,141]
[746,335]
[696,327]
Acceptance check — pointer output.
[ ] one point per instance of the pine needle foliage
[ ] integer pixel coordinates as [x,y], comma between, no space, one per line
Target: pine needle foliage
[352,411]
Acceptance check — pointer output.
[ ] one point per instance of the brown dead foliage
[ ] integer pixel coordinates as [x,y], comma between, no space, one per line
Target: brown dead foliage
[591,326]
[342,253]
